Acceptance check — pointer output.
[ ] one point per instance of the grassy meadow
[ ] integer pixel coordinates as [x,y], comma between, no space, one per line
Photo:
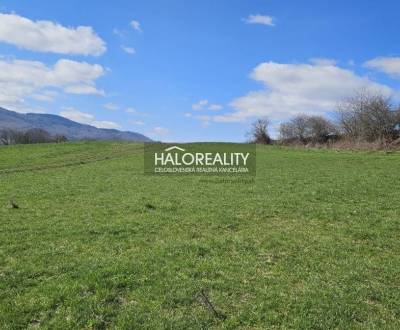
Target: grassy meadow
[313,243]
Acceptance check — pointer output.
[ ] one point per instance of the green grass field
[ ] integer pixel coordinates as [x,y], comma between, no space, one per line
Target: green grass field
[95,244]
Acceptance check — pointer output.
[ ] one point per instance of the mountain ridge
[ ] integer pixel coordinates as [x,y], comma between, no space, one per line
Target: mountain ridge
[58,125]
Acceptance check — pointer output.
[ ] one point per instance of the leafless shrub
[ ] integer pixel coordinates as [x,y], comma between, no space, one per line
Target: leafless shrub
[369,117]
[259,132]
[307,128]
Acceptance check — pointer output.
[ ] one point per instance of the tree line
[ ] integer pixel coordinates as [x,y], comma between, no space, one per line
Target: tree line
[34,135]
[365,117]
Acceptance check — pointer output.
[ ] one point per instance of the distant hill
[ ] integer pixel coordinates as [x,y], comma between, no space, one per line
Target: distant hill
[57,125]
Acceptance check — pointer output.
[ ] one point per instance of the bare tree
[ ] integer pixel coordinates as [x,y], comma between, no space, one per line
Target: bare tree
[287,131]
[9,136]
[35,135]
[5,137]
[368,116]
[296,129]
[259,132]
[306,128]
[300,126]
[320,128]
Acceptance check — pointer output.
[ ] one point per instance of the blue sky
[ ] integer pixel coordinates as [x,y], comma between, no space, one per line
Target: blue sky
[191,70]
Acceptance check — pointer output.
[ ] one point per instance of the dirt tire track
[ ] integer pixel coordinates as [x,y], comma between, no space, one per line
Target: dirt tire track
[82,161]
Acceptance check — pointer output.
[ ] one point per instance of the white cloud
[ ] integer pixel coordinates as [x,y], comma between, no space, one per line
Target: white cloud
[20,79]
[215,107]
[75,73]
[111,106]
[45,96]
[86,118]
[205,105]
[131,110]
[388,65]
[199,105]
[136,26]
[129,50]
[297,88]
[47,36]
[260,19]
[82,89]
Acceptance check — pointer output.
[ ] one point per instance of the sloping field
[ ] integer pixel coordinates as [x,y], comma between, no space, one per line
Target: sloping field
[313,243]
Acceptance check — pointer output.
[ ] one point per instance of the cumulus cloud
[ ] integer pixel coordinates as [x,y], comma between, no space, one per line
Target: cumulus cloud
[20,79]
[129,50]
[260,19]
[47,36]
[297,88]
[388,65]
[86,118]
[136,26]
